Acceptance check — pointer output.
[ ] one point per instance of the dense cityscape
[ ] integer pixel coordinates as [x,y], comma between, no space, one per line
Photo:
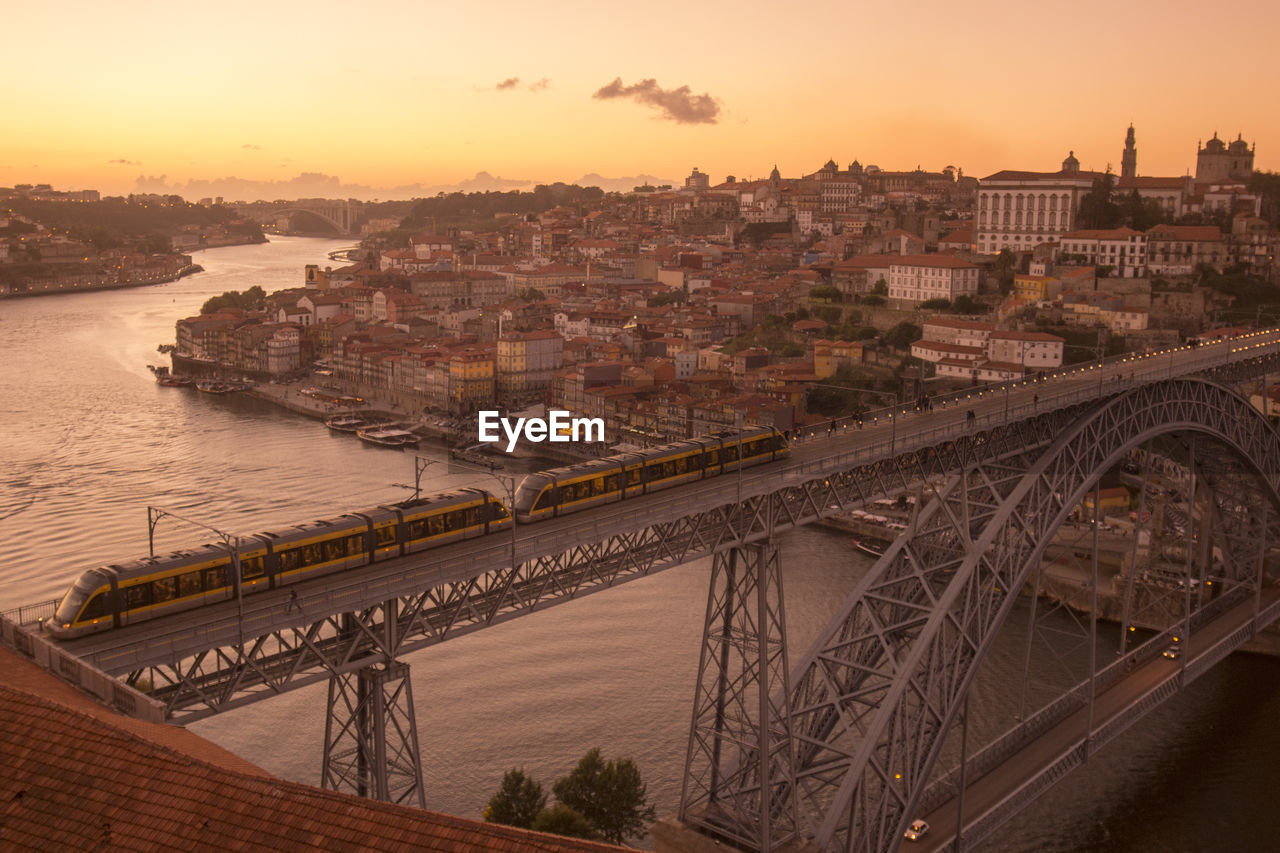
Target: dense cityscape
[541,428]
[671,312]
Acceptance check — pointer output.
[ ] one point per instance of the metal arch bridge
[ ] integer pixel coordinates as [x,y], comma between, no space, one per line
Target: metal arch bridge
[342,214]
[851,736]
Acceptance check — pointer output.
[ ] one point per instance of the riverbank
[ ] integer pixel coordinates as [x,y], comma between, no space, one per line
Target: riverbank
[293,397]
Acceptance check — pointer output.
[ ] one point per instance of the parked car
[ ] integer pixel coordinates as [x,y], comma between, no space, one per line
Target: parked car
[916,831]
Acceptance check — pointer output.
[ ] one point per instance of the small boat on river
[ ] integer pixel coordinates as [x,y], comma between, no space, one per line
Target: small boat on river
[388,436]
[354,422]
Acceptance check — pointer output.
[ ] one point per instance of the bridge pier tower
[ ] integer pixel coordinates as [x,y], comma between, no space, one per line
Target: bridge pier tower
[741,708]
[370,732]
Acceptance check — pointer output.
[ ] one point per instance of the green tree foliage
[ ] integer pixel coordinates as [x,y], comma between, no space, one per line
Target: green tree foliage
[459,207]
[128,219]
[938,304]
[965,304]
[873,299]
[518,802]
[1267,185]
[563,820]
[791,351]
[254,297]
[1251,297]
[531,294]
[825,293]
[880,288]
[1142,213]
[902,335]
[827,313]
[609,794]
[1098,208]
[671,297]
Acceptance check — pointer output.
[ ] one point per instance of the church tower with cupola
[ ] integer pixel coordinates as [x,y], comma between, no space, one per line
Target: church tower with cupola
[1217,162]
[1129,159]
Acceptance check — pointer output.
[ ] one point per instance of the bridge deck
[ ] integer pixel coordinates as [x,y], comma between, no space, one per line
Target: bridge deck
[994,797]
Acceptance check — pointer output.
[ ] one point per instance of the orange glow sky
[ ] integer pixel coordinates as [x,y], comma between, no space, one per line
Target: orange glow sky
[387,94]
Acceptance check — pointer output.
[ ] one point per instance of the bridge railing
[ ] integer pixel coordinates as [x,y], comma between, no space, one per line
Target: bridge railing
[71,669]
[30,614]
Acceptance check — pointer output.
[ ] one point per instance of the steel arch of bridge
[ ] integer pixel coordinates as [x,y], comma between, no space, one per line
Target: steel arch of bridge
[873,699]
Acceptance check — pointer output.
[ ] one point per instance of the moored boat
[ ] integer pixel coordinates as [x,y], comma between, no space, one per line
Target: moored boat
[388,436]
[354,422]
[210,386]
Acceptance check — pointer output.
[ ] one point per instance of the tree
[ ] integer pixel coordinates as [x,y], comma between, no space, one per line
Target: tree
[825,292]
[965,304]
[1097,208]
[902,335]
[609,794]
[881,287]
[938,304]
[563,820]
[518,802]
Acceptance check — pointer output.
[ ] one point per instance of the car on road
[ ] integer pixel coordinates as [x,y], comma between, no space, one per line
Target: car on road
[1174,650]
[916,831]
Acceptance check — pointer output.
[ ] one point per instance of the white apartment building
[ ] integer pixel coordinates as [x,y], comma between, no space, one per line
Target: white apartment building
[917,278]
[1122,249]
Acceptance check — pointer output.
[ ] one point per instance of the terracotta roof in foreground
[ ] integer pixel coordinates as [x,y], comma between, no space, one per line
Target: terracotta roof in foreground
[79,777]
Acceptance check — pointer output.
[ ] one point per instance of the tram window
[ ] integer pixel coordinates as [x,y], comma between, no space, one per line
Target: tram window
[252,567]
[290,560]
[436,524]
[611,483]
[497,511]
[386,536]
[730,453]
[335,549]
[635,476]
[96,607]
[137,596]
[712,458]
[544,499]
[568,493]
[417,529]
[215,578]
[165,589]
[189,584]
[356,544]
[597,486]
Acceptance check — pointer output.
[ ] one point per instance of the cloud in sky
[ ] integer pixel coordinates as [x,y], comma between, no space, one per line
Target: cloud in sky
[514,82]
[251,147]
[679,105]
[123,162]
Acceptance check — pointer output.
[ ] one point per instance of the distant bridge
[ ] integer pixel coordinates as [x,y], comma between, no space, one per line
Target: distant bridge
[842,751]
[343,215]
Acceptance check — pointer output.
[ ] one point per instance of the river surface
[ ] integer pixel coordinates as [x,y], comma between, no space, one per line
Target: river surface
[88,441]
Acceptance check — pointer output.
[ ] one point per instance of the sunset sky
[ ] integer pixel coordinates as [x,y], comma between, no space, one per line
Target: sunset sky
[390,94]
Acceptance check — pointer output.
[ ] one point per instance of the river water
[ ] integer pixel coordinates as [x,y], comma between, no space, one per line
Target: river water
[90,441]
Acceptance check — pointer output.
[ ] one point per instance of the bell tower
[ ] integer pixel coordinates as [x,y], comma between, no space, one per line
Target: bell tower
[1129,160]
